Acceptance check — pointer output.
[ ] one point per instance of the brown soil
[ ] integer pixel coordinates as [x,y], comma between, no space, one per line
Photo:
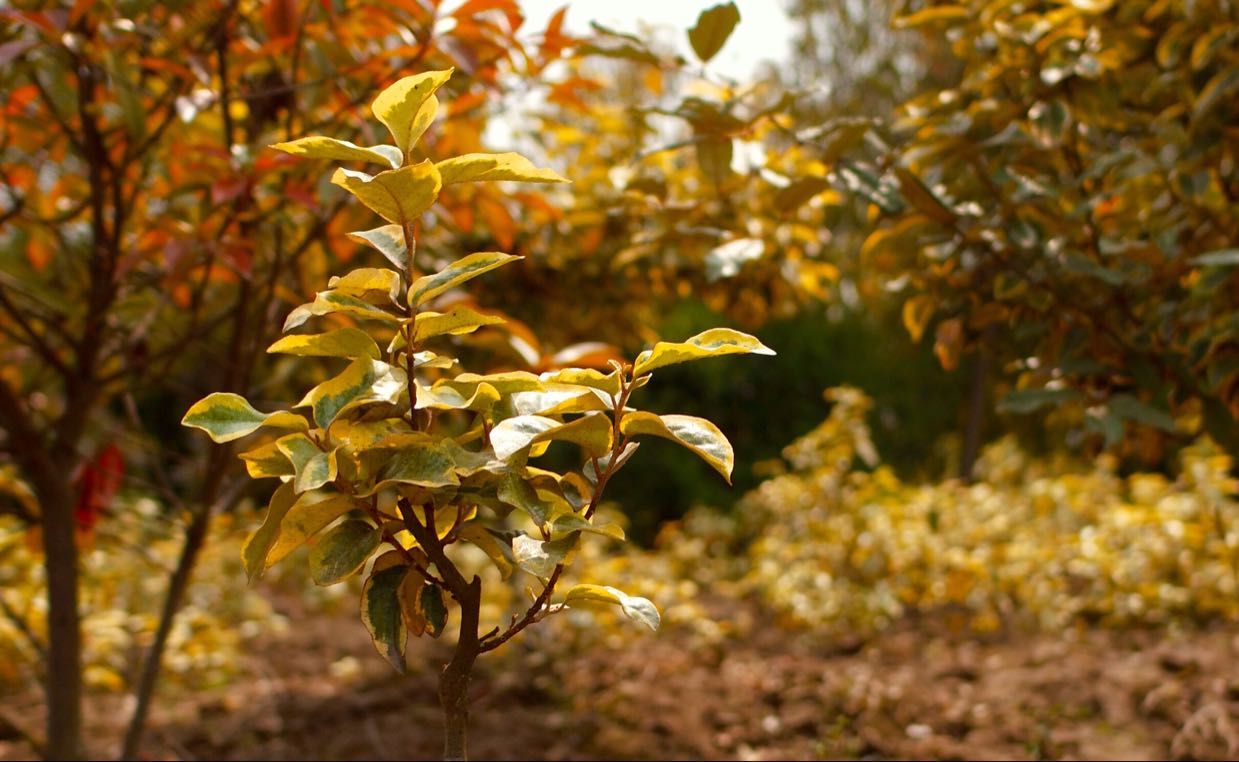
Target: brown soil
[1085,694]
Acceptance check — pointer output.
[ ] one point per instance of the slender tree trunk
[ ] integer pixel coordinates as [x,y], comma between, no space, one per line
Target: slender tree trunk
[195,539]
[64,647]
[454,680]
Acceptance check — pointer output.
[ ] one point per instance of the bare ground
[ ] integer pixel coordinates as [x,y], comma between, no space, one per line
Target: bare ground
[319,692]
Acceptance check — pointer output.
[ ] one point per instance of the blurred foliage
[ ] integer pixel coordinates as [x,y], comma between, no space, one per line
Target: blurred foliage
[124,567]
[1068,201]
[841,544]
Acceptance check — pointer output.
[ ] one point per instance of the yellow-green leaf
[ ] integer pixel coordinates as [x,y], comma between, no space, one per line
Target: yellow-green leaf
[331,302]
[425,464]
[307,517]
[447,396]
[381,610]
[539,557]
[428,287]
[262,540]
[409,594]
[922,198]
[712,29]
[433,609]
[712,343]
[458,320]
[634,607]
[570,522]
[595,379]
[937,14]
[1215,90]
[697,434]
[266,461]
[342,551]
[388,240]
[370,284]
[343,342]
[319,147]
[363,381]
[476,533]
[512,435]
[400,106]
[483,167]
[225,417]
[518,493]
[312,467]
[399,195]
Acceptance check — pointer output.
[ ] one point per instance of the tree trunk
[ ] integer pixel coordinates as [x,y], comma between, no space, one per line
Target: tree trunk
[195,539]
[454,680]
[64,648]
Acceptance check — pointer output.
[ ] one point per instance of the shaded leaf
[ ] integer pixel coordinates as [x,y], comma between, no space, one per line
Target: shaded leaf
[712,29]
[342,551]
[381,612]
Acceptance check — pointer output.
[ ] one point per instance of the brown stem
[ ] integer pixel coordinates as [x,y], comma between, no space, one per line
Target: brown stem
[454,680]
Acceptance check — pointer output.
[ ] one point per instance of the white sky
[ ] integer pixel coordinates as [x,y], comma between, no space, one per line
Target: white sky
[763,31]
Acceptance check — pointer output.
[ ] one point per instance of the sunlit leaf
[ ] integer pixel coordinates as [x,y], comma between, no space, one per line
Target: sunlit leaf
[462,270]
[459,320]
[388,240]
[319,147]
[634,607]
[697,434]
[262,540]
[482,167]
[712,343]
[400,106]
[398,195]
[225,417]
[312,466]
[349,342]
[363,381]
[476,533]
[512,435]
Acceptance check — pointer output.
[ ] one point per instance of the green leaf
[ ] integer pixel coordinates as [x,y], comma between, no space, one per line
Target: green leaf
[398,195]
[697,434]
[1219,258]
[409,594]
[331,302]
[342,551]
[266,461]
[1129,408]
[712,343]
[433,609]
[712,29]
[388,240]
[363,381]
[319,147]
[428,287]
[923,198]
[518,493]
[312,467]
[484,167]
[259,544]
[1023,401]
[476,533]
[369,284]
[427,464]
[1215,91]
[306,518]
[512,435]
[381,612]
[406,108]
[225,417]
[351,343]
[459,320]
[634,607]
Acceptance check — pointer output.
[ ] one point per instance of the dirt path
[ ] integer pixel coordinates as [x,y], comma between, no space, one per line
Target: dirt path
[319,692]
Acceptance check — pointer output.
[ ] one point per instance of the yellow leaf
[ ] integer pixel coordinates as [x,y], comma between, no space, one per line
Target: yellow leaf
[400,106]
[916,314]
[482,167]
